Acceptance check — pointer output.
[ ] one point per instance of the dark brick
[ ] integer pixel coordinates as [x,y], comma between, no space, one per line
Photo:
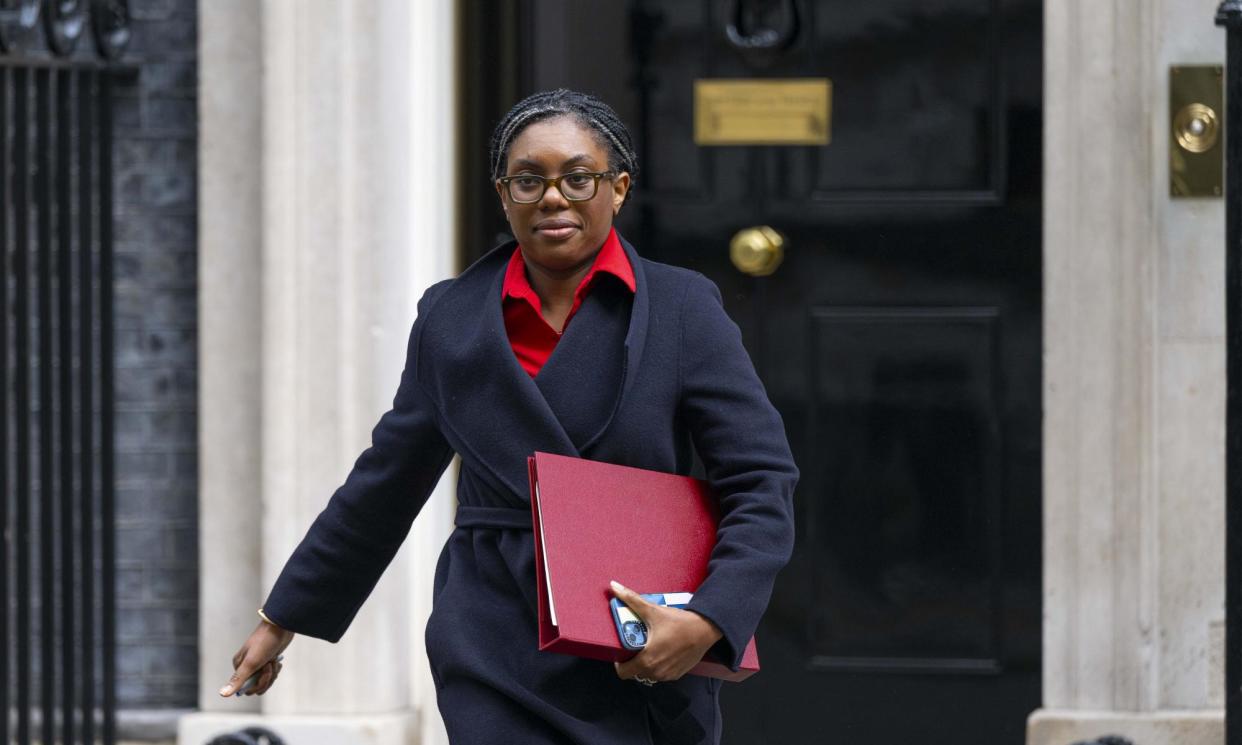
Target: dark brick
[129,188]
[144,384]
[171,114]
[176,691]
[138,543]
[172,427]
[130,690]
[155,162]
[166,584]
[126,111]
[128,347]
[142,466]
[133,661]
[181,545]
[187,379]
[129,582]
[141,154]
[185,153]
[126,266]
[141,691]
[172,660]
[187,267]
[133,499]
[152,10]
[160,306]
[170,77]
[130,429]
[185,465]
[143,348]
[174,38]
[144,624]
[178,504]
[127,311]
[141,267]
[130,500]
[160,501]
[178,346]
[170,230]
[169,187]
[185,623]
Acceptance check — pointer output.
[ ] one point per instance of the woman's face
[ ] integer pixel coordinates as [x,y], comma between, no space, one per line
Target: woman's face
[554,232]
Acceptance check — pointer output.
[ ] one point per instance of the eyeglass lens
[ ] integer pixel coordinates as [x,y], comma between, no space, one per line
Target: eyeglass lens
[573,186]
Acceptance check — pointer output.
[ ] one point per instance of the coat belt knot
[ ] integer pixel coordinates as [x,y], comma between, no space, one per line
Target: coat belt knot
[496,518]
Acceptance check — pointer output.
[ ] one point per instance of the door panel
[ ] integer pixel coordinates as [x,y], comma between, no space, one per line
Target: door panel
[899,581]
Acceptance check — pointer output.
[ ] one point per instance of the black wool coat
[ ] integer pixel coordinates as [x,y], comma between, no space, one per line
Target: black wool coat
[638,379]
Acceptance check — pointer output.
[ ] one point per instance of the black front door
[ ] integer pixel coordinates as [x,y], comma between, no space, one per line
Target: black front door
[899,337]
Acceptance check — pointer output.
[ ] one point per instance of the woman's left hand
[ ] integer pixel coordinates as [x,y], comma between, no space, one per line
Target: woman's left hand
[676,639]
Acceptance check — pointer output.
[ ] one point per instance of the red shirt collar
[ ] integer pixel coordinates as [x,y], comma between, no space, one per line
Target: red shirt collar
[611,258]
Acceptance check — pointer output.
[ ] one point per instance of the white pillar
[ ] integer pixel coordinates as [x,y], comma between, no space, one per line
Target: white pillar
[1133,386]
[430,167]
[1098,361]
[354,101]
[330,326]
[229,244]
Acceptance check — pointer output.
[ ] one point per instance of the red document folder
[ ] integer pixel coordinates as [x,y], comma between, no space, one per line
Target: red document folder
[595,522]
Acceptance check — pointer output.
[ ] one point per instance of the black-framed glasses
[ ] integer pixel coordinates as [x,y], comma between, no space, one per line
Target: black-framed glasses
[576,186]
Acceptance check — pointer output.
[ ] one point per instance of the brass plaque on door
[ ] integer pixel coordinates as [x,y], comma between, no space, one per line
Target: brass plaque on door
[1196,130]
[792,111]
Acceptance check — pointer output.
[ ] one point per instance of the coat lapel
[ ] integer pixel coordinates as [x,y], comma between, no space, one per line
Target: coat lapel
[581,380]
[585,380]
[636,336]
[496,414]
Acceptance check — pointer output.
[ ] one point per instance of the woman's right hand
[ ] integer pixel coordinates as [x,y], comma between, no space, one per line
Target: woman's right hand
[259,652]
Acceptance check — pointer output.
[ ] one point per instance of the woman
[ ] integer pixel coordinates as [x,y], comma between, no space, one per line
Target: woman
[564,341]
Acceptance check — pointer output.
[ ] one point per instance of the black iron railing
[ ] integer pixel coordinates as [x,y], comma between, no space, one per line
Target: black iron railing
[1229,15]
[57,558]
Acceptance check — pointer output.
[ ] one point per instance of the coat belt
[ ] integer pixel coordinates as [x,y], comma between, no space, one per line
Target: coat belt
[496,518]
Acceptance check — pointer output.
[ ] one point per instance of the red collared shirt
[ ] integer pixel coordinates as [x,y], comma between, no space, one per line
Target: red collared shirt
[533,338]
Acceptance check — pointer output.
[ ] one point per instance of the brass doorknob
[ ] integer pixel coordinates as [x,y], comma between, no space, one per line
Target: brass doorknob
[757,251]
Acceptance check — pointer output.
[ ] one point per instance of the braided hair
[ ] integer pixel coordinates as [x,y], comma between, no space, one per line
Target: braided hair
[587,110]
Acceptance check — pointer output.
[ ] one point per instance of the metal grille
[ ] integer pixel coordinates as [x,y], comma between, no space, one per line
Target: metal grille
[57,558]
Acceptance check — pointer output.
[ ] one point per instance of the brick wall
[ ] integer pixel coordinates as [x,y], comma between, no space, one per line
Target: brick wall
[155,240]
[155,161]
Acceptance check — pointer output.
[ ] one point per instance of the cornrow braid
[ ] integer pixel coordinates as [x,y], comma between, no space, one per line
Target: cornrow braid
[586,109]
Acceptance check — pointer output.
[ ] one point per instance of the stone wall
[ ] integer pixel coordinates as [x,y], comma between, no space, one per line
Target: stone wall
[1134,387]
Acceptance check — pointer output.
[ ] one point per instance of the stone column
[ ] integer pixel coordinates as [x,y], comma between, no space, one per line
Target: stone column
[354,102]
[430,212]
[230,223]
[1133,386]
[1098,356]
